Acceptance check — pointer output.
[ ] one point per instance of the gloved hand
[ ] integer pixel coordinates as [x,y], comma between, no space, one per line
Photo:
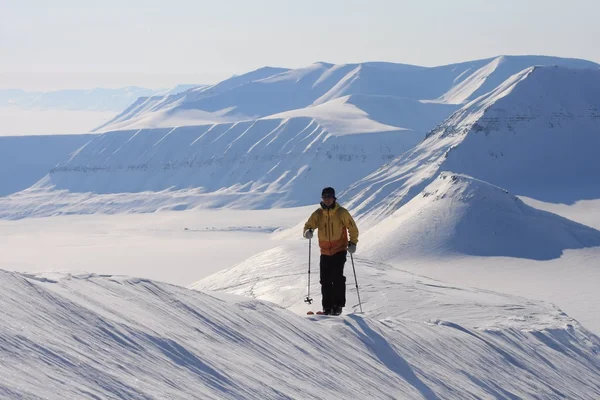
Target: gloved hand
[351,247]
[308,233]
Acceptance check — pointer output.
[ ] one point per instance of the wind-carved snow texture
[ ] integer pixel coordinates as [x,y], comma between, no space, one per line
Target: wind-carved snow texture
[535,135]
[457,214]
[65,336]
[400,307]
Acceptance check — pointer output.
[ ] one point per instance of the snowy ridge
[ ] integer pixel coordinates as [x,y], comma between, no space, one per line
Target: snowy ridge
[279,276]
[160,107]
[460,93]
[405,113]
[340,117]
[399,301]
[269,91]
[486,77]
[458,215]
[534,135]
[109,336]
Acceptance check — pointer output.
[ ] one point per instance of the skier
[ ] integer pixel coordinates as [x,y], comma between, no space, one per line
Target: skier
[334,223]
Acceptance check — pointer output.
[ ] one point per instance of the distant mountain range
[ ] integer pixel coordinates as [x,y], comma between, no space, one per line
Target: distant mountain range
[378,132]
[405,96]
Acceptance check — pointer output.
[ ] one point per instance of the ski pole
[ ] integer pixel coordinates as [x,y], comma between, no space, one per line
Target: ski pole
[356,282]
[308,299]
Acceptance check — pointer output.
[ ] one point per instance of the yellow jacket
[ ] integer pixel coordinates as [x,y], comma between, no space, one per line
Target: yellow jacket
[333,225]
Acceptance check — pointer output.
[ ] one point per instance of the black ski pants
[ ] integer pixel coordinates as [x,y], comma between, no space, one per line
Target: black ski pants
[333,281]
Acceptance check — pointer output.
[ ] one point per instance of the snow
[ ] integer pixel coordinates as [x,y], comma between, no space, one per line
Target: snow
[270,91]
[24,160]
[477,262]
[583,211]
[154,104]
[457,214]
[395,297]
[493,72]
[274,136]
[339,117]
[142,245]
[259,164]
[460,93]
[113,336]
[173,117]
[537,128]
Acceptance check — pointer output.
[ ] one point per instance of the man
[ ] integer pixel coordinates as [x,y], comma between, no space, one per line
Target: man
[334,223]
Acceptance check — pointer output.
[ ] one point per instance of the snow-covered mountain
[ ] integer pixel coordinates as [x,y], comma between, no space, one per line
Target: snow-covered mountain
[88,336]
[255,164]
[396,89]
[534,135]
[177,109]
[24,160]
[457,214]
[275,137]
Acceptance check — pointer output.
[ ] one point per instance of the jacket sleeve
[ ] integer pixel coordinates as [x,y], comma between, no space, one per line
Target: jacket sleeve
[312,223]
[349,223]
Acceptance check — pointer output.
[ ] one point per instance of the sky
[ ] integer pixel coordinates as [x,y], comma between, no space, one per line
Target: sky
[74,44]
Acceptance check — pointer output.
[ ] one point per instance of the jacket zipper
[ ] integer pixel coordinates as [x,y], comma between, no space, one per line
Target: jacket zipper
[329,224]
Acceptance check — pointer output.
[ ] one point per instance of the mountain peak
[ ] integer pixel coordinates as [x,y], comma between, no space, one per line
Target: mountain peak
[458,214]
[465,189]
[538,126]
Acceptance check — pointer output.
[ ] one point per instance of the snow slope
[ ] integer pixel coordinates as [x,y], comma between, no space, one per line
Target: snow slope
[459,215]
[534,135]
[479,81]
[340,117]
[24,160]
[160,109]
[255,164]
[69,336]
[402,302]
